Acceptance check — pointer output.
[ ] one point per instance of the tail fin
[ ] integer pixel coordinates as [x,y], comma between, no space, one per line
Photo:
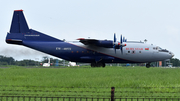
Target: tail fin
[19,24]
[20,31]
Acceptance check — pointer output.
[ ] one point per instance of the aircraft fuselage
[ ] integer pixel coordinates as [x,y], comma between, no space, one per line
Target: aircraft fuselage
[75,51]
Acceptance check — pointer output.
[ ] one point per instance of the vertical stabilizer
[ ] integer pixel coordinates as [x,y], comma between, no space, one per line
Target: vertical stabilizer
[20,32]
[19,24]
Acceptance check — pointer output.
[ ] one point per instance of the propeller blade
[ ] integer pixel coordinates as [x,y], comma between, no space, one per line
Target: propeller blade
[114,48]
[114,43]
[121,49]
[121,38]
[114,37]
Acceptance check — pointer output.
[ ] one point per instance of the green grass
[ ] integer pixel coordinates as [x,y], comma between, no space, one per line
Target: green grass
[91,77]
[101,79]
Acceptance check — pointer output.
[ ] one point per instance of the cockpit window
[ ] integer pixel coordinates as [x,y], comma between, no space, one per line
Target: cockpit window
[157,48]
[161,50]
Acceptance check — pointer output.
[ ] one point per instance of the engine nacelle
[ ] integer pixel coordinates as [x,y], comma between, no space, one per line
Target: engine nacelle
[105,43]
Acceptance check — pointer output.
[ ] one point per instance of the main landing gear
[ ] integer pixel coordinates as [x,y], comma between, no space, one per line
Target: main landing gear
[99,64]
[148,65]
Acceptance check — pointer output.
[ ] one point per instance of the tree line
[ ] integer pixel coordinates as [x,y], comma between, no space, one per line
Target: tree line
[175,62]
[4,60]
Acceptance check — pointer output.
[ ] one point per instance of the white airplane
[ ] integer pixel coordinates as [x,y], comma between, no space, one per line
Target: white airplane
[96,52]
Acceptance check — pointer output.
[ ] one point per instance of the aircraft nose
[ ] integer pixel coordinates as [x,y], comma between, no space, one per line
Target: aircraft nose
[172,54]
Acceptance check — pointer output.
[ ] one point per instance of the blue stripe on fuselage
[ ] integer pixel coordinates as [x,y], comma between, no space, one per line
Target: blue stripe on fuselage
[72,52]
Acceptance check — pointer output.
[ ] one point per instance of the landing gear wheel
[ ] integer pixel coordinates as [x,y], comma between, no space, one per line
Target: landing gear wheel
[103,65]
[99,64]
[93,64]
[148,65]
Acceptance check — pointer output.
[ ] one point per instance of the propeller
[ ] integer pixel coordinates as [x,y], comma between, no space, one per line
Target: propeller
[119,44]
[122,45]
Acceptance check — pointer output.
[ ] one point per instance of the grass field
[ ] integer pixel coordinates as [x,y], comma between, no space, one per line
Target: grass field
[91,77]
[127,79]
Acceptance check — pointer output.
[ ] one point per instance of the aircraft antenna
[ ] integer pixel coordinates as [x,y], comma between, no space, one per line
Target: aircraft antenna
[145,41]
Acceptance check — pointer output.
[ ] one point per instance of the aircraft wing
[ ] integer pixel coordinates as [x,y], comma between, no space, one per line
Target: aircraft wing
[88,41]
[99,43]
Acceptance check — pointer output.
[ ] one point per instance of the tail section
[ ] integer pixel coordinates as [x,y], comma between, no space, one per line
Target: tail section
[19,24]
[20,31]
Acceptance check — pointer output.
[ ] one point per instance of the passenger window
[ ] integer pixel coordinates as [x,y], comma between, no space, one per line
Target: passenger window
[133,51]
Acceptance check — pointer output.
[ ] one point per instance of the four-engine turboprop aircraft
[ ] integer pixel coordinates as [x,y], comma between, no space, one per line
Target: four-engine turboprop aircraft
[96,52]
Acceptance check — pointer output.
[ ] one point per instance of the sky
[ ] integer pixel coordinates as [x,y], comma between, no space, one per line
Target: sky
[158,21]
